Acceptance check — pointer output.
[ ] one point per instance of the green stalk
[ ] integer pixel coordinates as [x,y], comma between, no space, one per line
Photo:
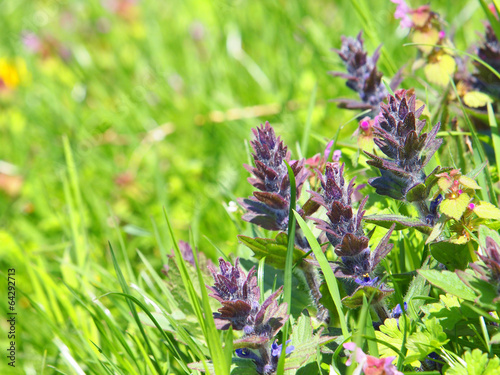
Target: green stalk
[287,292]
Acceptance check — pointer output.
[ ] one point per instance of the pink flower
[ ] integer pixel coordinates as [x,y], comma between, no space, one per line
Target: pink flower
[369,364]
[442,34]
[337,154]
[472,206]
[365,125]
[328,149]
[403,13]
[31,41]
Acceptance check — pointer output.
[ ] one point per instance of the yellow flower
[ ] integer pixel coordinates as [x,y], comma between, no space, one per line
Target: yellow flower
[12,72]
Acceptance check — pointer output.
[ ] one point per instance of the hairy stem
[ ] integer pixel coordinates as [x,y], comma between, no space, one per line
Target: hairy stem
[313,282]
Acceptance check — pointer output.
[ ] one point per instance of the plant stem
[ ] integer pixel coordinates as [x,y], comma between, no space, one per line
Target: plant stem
[313,282]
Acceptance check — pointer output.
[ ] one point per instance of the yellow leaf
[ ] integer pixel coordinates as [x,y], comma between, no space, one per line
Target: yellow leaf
[459,241]
[455,208]
[420,17]
[439,72]
[430,36]
[444,183]
[469,182]
[476,99]
[486,210]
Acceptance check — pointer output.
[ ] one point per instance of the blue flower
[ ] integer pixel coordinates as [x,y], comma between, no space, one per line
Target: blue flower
[366,280]
[397,311]
[276,349]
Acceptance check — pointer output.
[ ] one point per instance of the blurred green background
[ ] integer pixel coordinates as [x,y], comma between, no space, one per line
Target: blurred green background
[111,110]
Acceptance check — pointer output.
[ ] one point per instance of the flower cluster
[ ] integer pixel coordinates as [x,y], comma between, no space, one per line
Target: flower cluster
[239,295]
[13,72]
[344,228]
[399,135]
[269,207]
[362,74]
[370,365]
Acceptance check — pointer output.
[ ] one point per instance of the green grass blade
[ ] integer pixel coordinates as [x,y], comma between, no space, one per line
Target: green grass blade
[79,236]
[260,278]
[133,300]
[287,292]
[330,279]
[369,330]
[206,322]
[221,358]
[495,135]
[126,291]
[485,181]
[491,18]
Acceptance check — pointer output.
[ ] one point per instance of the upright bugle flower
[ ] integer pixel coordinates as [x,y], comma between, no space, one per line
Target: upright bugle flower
[344,228]
[362,75]
[269,207]
[399,135]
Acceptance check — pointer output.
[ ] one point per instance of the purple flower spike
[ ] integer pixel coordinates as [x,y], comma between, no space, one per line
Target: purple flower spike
[362,75]
[269,207]
[398,134]
[344,227]
[239,295]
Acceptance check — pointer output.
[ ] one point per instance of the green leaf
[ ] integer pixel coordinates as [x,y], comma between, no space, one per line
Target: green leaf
[438,229]
[475,172]
[426,340]
[453,256]
[417,193]
[449,282]
[486,210]
[455,208]
[306,343]
[469,182]
[495,339]
[371,293]
[488,293]
[418,288]
[401,221]
[444,183]
[391,338]
[330,279]
[447,311]
[274,250]
[476,363]
[484,232]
